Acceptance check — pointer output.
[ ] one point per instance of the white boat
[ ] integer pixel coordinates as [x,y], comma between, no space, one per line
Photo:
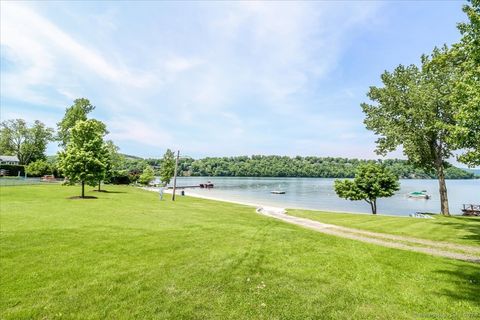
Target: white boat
[419,195]
[277,192]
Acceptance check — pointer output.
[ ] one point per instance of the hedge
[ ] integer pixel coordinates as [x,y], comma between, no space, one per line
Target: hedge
[13,169]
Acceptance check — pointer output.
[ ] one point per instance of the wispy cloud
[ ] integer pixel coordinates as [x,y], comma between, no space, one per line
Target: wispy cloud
[208,78]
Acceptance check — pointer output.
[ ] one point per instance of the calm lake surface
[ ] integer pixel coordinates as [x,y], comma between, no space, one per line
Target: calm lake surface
[318,194]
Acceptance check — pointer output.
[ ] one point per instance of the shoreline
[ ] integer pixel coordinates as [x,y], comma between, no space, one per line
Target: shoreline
[259,205]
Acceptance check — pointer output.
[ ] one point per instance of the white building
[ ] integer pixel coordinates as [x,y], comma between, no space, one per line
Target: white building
[9,160]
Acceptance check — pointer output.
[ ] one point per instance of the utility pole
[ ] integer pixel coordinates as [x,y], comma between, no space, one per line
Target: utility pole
[175,176]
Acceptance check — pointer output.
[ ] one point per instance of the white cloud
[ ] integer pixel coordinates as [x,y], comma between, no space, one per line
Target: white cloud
[254,51]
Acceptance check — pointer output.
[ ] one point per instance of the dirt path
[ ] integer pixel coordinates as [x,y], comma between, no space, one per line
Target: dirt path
[441,249]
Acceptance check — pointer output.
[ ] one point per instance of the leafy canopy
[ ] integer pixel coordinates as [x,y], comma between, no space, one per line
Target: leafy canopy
[466,87]
[412,110]
[83,160]
[371,181]
[28,143]
[77,112]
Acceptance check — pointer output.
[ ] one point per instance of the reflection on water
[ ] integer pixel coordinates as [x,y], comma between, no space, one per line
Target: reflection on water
[318,193]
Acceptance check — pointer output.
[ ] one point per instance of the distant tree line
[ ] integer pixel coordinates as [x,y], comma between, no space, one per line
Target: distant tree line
[315,167]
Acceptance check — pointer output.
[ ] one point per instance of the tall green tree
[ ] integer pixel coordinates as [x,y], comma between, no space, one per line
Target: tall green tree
[28,143]
[77,112]
[413,110]
[83,160]
[167,168]
[466,85]
[372,181]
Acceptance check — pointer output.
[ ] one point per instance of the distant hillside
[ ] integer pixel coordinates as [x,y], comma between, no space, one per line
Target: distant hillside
[282,166]
[476,172]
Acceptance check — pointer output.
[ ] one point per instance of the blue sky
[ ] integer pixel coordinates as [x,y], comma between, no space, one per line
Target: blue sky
[214,78]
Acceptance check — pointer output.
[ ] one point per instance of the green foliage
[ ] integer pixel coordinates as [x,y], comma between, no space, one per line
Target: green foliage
[77,112]
[147,175]
[13,169]
[414,110]
[83,160]
[27,143]
[466,87]
[39,168]
[371,181]
[167,167]
[113,161]
[318,167]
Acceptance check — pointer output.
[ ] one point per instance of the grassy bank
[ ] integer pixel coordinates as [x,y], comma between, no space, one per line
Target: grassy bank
[127,255]
[456,229]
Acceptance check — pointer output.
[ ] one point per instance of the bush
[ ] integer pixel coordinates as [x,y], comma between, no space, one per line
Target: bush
[120,179]
[12,169]
[147,175]
[38,168]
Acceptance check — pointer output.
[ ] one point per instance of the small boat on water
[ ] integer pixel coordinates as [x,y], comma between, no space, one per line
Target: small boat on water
[419,195]
[277,192]
[206,185]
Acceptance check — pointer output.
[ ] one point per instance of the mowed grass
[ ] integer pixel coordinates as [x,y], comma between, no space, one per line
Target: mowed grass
[127,255]
[455,229]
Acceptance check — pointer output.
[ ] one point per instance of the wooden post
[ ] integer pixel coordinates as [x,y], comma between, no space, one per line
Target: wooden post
[175,176]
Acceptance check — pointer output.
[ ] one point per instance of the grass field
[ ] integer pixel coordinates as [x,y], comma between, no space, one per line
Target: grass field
[127,255]
[455,229]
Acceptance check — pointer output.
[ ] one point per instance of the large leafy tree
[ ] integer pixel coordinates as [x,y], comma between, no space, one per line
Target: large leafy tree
[413,110]
[466,87]
[372,181]
[83,159]
[28,143]
[77,112]
[167,168]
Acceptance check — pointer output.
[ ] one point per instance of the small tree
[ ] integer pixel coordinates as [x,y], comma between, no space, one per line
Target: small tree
[83,159]
[147,175]
[372,181]
[167,168]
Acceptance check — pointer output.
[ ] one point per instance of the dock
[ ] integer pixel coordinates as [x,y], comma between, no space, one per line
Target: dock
[471,210]
[201,185]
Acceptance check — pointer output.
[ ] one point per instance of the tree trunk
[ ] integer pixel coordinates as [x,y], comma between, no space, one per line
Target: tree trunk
[373,205]
[443,190]
[83,189]
[99,183]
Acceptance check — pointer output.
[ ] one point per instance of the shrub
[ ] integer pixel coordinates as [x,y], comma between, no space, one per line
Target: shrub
[38,168]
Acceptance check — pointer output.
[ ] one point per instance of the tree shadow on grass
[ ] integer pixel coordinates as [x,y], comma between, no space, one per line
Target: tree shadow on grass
[106,191]
[473,227]
[466,278]
[80,197]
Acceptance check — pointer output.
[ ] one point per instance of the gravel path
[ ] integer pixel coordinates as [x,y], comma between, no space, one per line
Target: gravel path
[441,249]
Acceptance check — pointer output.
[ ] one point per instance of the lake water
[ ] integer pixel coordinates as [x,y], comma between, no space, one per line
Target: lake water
[318,194]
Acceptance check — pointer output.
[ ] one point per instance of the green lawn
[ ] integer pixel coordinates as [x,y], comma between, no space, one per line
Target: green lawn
[126,255]
[455,229]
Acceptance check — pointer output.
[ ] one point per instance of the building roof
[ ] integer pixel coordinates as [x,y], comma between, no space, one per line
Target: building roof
[9,158]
